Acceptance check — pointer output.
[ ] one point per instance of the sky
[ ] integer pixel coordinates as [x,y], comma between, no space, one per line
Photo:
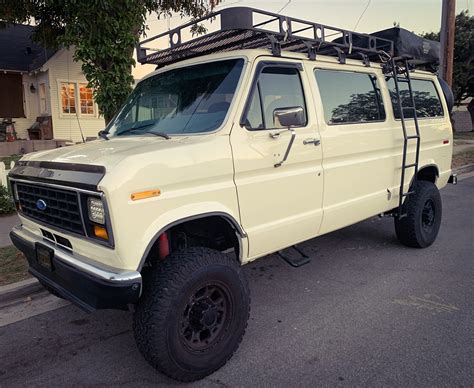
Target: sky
[414,15]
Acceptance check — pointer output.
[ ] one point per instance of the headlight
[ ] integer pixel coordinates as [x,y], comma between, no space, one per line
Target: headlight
[95,208]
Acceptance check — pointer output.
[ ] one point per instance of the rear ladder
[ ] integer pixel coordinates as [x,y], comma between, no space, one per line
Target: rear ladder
[398,69]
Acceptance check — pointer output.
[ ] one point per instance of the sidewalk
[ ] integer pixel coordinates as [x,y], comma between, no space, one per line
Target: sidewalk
[6,224]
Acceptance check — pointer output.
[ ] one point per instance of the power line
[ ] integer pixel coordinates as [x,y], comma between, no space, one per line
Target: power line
[286,5]
[362,14]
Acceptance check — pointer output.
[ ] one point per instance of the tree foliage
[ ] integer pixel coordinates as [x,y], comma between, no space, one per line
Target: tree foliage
[103,34]
[463,68]
[364,106]
[361,107]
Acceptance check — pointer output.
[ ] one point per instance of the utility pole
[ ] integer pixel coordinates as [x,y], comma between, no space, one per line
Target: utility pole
[448,18]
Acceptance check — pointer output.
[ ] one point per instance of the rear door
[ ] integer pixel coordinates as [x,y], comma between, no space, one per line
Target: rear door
[279,206]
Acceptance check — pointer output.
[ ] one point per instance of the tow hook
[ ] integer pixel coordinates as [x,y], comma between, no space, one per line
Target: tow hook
[453,179]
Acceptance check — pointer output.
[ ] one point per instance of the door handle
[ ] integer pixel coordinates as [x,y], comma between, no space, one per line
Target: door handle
[314,141]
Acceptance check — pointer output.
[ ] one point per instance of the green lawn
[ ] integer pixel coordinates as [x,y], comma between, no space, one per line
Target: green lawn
[13,266]
[7,159]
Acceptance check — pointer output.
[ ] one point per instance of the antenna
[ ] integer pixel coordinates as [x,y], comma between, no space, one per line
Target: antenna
[80,128]
[75,98]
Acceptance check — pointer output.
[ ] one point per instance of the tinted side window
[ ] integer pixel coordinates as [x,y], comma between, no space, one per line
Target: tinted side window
[349,97]
[277,87]
[426,98]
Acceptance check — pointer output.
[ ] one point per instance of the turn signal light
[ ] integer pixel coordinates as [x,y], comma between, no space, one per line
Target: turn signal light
[145,194]
[101,232]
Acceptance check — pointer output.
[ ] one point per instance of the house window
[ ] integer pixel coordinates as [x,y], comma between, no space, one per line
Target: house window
[86,100]
[42,98]
[68,97]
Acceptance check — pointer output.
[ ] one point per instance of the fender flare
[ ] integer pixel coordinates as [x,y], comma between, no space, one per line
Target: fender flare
[231,220]
[424,167]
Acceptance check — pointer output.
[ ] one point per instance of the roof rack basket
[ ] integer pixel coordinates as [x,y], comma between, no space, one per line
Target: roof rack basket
[248,28]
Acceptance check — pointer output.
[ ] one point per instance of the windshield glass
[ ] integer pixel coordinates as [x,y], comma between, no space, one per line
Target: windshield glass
[187,100]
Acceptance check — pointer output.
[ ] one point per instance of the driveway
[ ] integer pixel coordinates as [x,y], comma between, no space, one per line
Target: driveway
[365,311]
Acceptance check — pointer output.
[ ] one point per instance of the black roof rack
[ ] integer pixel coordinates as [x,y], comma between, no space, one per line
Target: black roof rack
[248,28]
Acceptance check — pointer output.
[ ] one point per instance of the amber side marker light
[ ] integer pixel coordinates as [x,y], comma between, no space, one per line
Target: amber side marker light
[101,232]
[145,194]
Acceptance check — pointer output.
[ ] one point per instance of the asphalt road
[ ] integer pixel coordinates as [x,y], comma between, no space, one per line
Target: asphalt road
[365,312]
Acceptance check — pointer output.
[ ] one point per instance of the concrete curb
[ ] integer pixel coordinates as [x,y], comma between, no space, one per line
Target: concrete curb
[17,290]
[28,287]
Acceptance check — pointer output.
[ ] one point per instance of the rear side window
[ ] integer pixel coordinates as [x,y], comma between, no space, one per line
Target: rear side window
[349,97]
[426,97]
[277,87]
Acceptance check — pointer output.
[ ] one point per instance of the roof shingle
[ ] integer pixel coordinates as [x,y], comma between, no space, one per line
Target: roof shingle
[18,51]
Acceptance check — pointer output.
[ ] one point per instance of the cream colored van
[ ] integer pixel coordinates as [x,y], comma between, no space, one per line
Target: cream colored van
[221,156]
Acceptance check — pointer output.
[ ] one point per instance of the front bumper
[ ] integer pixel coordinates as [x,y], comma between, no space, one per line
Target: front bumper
[86,285]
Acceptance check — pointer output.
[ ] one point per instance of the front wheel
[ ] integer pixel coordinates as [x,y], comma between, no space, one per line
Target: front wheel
[193,313]
[423,209]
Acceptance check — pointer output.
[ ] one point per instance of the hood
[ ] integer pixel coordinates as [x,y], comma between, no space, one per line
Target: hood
[107,153]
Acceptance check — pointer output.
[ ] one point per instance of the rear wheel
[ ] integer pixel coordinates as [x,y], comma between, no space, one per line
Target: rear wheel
[420,227]
[193,313]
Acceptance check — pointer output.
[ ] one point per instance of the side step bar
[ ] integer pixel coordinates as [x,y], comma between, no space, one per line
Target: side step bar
[294,256]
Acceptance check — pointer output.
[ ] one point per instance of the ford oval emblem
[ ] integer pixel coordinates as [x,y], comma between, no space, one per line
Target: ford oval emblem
[41,205]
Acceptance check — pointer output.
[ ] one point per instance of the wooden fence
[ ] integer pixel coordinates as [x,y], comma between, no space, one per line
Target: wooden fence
[4,172]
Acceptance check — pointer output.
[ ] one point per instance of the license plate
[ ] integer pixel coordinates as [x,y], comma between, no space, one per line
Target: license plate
[44,255]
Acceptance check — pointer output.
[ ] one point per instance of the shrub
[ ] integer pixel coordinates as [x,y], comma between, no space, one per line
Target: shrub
[6,201]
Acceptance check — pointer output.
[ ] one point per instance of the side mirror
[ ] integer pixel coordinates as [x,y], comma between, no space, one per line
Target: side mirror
[103,134]
[289,117]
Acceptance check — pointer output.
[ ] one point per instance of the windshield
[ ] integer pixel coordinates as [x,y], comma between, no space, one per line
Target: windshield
[187,100]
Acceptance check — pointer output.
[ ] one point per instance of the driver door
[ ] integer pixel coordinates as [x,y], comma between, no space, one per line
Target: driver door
[279,205]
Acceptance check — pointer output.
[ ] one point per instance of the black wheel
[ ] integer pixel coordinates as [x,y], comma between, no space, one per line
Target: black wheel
[420,227]
[193,313]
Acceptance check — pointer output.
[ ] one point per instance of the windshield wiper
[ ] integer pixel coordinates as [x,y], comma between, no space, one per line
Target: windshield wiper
[162,134]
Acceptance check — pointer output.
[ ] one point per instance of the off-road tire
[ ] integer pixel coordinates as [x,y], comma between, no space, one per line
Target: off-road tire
[417,229]
[169,291]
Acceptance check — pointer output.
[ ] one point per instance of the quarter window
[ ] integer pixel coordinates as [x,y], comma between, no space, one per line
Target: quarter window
[349,97]
[276,88]
[426,97]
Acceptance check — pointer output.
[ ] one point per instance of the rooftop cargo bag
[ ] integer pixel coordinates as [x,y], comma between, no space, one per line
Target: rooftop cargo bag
[406,43]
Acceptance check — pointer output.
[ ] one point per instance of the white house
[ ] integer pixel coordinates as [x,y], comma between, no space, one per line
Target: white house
[39,83]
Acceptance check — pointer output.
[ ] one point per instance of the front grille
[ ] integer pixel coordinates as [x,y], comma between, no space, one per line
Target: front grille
[62,208]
